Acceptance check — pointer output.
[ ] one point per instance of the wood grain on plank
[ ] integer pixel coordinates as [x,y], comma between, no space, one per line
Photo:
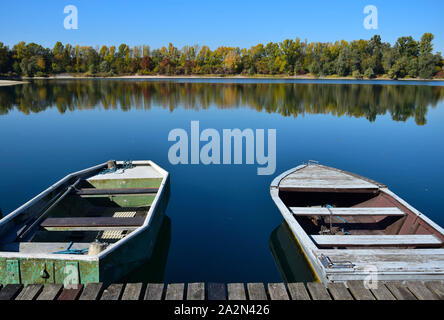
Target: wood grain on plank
[132,291]
[318,291]
[381,292]
[400,291]
[92,291]
[154,291]
[313,211]
[277,291]
[359,291]
[175,291]
[437,287]
[256,291]
[376,240]
[298,291]
[113,292]
[420,291]
[30,292]
[10,291]
[50,291]
[196,291]
[71,293]
[236,291]
[339,292]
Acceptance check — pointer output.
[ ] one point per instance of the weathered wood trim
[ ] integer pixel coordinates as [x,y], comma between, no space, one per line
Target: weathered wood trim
[277,180]
[339,190]
[376,240]
[310,211]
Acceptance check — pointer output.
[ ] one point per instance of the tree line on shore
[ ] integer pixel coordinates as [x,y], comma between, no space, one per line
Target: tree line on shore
[407,58]
[402,102]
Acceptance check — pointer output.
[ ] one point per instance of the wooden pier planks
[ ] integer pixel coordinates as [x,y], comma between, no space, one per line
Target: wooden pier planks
[113,292]
[216,291]
[71,293]
[196,291]
[277,291]
[381,292]
[10,291]
[437,287]
[420,291]
[175,291]
[132,291]
[236,291]
[359,291]
[318,291]
[352,290]
[256,291]
[339,292]
[298,291]
[154,291]
[30,292]
[92,291]
[399,291]
[50,292]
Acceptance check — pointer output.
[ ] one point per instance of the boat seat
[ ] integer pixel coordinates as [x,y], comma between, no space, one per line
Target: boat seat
[42,247]
[92,223]
[376,240]
[313,211]
[94,191]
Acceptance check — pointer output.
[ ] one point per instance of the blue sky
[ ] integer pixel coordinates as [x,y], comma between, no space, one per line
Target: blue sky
[240,23]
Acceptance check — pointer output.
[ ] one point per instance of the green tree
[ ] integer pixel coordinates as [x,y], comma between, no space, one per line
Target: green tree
[426,65]
[5,59]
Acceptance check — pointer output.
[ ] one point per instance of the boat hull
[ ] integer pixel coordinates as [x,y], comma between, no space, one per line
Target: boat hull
[361,263]
[108,266]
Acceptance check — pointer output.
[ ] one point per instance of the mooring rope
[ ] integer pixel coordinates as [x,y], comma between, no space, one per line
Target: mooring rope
[329,207]
[72,251]
[127,164]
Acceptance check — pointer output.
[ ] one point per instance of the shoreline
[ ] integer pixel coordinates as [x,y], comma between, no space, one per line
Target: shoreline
[4,83]
[197,77]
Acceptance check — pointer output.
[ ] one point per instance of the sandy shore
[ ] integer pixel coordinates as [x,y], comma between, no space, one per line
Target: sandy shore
[10,83]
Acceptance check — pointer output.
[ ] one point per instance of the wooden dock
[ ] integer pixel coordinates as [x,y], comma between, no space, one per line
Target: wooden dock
[352,290]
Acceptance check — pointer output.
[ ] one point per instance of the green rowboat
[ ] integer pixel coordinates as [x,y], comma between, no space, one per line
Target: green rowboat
[95,225]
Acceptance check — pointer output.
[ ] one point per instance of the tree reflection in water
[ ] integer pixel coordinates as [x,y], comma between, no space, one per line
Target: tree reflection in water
[288,99]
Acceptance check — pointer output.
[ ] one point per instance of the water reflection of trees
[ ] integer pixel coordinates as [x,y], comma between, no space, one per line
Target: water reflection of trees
[288,99]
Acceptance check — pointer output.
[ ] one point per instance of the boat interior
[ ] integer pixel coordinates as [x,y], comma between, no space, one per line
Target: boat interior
[359,218]
[104,207]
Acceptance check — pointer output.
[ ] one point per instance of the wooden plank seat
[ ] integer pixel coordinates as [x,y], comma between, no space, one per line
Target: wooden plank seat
[117,191]
[316,211]
[93,223]
[376,240]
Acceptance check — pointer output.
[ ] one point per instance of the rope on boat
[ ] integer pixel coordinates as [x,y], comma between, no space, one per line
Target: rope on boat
[331,213]
[127,164]
[72,251]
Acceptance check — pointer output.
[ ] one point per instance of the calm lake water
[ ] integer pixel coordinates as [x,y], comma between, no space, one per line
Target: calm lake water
[222,224]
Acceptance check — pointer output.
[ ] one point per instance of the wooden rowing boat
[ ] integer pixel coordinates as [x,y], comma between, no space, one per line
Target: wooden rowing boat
[350,227]
[95,225]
